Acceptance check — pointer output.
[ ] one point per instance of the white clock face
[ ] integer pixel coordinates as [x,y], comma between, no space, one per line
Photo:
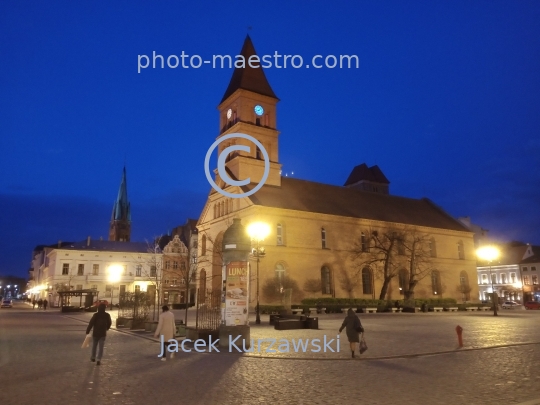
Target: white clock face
[258,110]
[229,114]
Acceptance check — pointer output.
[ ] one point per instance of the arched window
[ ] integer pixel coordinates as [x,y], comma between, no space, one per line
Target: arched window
[323,238]
[365,242]
[215,211]
[266,120]
[503,278]
[464,285]
[202,285]
[367,281]
[432,248]
[326,280]
[402,278]
[436,287]
[203,245]
[461,252]
[280,271]
[279,234]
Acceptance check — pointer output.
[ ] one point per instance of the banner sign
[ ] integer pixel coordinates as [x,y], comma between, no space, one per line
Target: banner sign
[236,294]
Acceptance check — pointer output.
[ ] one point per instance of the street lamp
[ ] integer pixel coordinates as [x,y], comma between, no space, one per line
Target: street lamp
[490,253]
[115,271]
[258,231]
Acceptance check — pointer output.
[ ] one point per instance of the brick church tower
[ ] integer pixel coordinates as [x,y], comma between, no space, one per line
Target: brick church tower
[120,226]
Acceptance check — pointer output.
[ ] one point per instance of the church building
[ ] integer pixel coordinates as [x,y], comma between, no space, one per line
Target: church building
[315,227]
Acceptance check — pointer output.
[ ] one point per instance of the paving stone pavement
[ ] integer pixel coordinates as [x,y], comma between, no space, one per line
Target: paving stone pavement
[41,362]
[397,334]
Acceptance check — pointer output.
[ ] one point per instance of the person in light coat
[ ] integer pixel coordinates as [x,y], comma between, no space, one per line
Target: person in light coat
[167,328]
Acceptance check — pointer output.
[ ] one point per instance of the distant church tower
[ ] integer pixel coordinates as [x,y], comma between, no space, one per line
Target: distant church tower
[120,228]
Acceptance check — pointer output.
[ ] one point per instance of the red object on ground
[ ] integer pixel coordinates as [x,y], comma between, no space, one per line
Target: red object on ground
[459,331]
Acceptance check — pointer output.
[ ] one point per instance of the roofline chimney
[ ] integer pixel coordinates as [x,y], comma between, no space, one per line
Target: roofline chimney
[88,241]
[59,243]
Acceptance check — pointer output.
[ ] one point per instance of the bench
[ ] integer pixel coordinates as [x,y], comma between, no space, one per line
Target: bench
[437,309]
[394,310]
[484,308]
[471,309]
[418,309]
[370,310]
[297,311]
[288,324]
[453,309]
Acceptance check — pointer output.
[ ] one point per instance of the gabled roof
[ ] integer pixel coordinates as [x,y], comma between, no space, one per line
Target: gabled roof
[302,195]
[364,173]
[535,258]
[249,78]
[108,246]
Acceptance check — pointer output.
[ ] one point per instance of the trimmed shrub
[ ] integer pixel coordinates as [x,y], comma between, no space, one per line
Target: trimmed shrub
[271,309]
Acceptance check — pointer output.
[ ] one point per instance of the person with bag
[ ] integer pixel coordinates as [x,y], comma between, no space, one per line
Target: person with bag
[101,322]
[167,328]
[353,328]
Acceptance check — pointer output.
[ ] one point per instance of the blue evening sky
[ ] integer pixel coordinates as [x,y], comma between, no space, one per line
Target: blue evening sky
[446,101]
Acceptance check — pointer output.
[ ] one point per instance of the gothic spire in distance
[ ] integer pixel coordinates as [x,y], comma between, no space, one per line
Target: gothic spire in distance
[120,225]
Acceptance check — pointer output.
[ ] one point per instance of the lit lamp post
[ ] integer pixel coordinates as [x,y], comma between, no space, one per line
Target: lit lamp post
[114,277]
[258,231]
[490,253]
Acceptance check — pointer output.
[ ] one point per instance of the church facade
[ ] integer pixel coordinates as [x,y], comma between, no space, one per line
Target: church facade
[316,229]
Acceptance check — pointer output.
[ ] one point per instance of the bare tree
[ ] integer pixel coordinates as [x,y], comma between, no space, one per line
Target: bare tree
[418,254]
[465,289]
[377,250]
[349,282]
[152,272]
[312,285]
[274,288]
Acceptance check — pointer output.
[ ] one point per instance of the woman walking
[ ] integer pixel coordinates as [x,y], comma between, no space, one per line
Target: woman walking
[167,328]
[353,328]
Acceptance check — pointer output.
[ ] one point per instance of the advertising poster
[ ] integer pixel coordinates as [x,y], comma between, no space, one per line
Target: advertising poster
[236,294]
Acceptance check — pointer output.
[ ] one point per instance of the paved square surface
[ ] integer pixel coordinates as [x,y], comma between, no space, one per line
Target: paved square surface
[41,362]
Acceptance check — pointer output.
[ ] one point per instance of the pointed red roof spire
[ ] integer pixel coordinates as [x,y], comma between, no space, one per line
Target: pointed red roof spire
[249,78]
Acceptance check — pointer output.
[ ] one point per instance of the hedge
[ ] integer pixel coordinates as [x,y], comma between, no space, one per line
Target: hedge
[271,309]
[360,302]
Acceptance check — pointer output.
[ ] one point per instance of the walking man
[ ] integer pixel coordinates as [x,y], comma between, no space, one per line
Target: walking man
[101,322]
[167,328]
[45,303]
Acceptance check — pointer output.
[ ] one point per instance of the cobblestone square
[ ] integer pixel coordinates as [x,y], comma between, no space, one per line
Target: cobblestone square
[42,362]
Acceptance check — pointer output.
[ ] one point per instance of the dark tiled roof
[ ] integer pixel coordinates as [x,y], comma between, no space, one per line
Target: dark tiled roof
[535,258]
[302,195]
[109,246]
[362,172]
[248,78]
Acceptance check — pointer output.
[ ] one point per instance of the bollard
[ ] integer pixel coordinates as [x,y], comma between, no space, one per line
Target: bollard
[459,331]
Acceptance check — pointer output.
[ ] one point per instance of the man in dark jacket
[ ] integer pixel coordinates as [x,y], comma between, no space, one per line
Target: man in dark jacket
[101,323]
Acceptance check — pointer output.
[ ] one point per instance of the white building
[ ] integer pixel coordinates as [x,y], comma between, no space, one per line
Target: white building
[92,264]
[503,276]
